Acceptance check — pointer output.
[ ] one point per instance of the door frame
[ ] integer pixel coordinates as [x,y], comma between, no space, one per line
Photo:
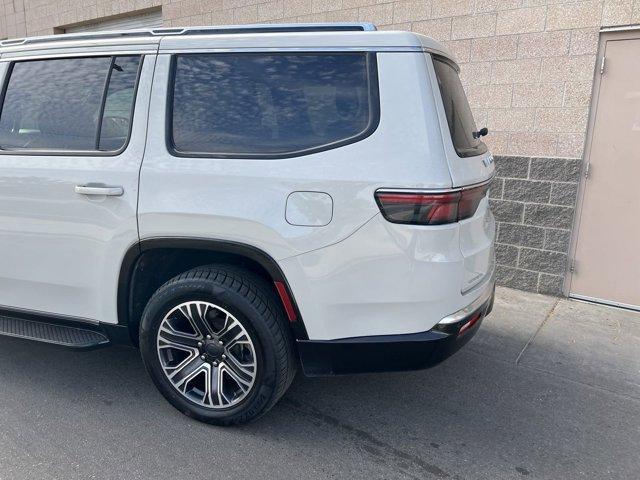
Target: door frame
[606,34]
[105,308]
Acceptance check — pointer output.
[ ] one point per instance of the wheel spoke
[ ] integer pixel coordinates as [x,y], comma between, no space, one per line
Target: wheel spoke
[240,369]
[241,337]
[193,367]
[229,329]
[185,370]
[214,387]
[169,338]
[193,312]
[242,383]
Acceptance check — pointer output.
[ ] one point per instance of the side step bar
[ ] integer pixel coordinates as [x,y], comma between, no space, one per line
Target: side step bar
[62,335]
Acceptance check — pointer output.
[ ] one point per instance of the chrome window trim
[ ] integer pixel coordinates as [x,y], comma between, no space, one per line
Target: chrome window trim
[435,190]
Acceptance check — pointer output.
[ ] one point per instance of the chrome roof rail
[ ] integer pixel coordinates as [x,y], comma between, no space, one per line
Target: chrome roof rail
[268,28]
[76,36]
[212,30]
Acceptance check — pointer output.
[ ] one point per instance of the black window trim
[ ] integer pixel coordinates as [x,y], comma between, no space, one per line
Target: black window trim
[447,60]
[452,64]
[43,152]
[374,108]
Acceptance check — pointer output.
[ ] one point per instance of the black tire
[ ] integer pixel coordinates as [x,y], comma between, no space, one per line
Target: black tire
[250,300]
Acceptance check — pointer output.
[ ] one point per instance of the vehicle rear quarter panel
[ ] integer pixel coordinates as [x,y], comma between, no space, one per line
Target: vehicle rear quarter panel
[385,279]
[244,200]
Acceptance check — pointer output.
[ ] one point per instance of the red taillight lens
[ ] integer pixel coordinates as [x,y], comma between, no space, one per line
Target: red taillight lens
[421,209]
[470,200]
[430,208]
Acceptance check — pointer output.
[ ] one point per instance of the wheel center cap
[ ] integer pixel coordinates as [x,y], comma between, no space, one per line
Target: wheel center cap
[213,349]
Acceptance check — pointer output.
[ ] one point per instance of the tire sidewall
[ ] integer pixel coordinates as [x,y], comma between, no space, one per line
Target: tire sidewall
[174,293]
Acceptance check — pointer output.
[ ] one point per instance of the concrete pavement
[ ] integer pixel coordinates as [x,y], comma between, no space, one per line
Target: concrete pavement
[548,388]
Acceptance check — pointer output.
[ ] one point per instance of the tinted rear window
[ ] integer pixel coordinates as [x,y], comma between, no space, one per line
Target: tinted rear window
[70,104]
[257,105]
[456,107]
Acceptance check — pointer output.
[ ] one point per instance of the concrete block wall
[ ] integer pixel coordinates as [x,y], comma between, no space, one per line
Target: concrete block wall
[527,66]
[533,200]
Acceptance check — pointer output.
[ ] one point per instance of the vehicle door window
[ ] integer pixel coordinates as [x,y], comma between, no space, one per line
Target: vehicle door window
[118,107]
[271,105]
[69,104]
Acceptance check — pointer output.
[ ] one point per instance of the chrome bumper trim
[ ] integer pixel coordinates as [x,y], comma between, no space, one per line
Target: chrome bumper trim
[485,295]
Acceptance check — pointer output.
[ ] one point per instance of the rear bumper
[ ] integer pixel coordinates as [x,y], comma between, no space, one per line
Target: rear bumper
[389,353]
[390,279]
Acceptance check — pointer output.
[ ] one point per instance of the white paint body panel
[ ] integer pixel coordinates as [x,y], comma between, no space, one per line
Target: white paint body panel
[61,251]
[244,200]
[351,272]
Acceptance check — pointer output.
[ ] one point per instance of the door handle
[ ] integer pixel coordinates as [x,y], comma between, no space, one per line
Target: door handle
[99,190]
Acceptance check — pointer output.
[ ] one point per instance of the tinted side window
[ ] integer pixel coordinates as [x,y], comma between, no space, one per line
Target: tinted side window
[118,105]
[264,105]
[456,107]
[58,104]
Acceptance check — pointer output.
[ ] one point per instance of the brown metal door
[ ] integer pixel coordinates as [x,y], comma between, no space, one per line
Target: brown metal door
[607,248]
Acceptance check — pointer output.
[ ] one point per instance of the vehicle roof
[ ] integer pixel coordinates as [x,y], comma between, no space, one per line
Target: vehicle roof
[333,36]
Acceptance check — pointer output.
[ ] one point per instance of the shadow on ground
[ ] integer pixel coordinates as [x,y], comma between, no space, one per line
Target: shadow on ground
[557,413]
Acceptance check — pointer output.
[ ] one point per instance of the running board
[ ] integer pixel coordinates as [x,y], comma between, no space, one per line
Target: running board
[62,335]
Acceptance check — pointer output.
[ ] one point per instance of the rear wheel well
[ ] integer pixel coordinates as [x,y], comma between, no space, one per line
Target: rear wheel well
[152,267]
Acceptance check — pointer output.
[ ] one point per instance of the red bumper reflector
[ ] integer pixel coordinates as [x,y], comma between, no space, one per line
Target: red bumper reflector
[472,321]
[286,301]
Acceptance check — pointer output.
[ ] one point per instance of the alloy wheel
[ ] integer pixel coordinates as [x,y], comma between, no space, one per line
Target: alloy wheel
[206,354]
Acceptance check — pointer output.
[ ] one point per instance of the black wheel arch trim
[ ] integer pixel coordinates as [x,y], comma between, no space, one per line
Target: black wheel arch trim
[134,253]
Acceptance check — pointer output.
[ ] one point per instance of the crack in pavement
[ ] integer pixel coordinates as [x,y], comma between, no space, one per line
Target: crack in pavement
[535,334]
[370,443]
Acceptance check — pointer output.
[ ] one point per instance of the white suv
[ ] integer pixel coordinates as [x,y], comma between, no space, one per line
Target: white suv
[241,200]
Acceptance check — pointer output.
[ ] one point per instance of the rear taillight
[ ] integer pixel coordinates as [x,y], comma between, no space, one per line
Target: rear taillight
[430,208]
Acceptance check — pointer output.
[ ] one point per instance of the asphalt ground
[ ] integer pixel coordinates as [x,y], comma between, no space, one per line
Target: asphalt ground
[548,388]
